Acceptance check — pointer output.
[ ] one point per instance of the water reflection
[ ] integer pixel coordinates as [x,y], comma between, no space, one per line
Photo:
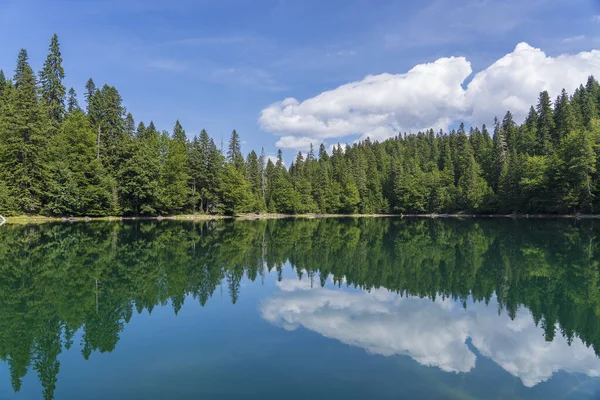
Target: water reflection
[455,277]
[433,333]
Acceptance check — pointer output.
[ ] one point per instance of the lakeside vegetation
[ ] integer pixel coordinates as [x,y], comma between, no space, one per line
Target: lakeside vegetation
[59,159]
[66,285]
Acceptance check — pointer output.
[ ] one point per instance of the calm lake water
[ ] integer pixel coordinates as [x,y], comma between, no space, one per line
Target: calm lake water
[306,309]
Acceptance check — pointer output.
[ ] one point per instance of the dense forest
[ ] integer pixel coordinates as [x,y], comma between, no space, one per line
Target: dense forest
[59,279]
[58,158]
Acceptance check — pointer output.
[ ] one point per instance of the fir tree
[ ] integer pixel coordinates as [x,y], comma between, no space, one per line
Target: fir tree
[545,125]
[23,142]
[90,90]
[72,104]
[52,91]
[234,152]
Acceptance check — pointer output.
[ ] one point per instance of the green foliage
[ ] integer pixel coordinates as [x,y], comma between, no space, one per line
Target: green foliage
[23,141]
[549,164]
[78,183]
[236,196]
[174,177]
[52,91]
[575,168]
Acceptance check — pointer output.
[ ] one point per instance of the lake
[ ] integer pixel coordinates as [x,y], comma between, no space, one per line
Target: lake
[346,308]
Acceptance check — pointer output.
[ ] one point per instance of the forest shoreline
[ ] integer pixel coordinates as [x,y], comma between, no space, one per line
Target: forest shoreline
[37,219]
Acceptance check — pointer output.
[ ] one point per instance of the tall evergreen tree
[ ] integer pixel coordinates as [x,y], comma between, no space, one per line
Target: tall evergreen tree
[174,175]
[78,182]
[72,103]
[130,125]
[179,133]
[52,90]
[564,118]
[545,124]
[254,178]
[234,152]
[106,114]
[23,141]
[2,83]
[90,90]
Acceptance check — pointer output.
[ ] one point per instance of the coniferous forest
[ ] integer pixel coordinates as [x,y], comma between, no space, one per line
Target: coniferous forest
[62,158]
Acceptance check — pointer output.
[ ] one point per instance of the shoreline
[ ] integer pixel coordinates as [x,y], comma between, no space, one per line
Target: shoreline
[38,219]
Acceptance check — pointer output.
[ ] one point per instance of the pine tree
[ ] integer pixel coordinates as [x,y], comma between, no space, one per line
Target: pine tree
[139,176]
[179,133]
[254,178]
[78,182]
[545,124]
[52,91]
[174,175]
[23,142]
[206,163]
[90,90]
[564,118]
[129,125]
[2,84]
[500,150]
[106,114]
[529,132]
[576,167]
[234,152]
[72,104]
[472,187]
[234,190]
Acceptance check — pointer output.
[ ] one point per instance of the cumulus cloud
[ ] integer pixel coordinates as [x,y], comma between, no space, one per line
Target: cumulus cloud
[296,142]
[433,333]
[428,96]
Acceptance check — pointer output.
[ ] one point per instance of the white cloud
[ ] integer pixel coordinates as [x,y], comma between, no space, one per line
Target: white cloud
[433,333]
[297,142]
[430,96]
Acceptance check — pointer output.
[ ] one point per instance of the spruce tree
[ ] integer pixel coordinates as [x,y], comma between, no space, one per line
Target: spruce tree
[23,141]
[234,152]
[90,90]
[174,174]
[529,132]
[52,90]
[545,125]
[78,182]
[254,178]
[72,104]
[129,125]
[2,83]
[179,133]
[564,118]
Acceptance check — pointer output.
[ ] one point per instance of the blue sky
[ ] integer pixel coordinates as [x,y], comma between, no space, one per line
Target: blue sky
[219,64]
